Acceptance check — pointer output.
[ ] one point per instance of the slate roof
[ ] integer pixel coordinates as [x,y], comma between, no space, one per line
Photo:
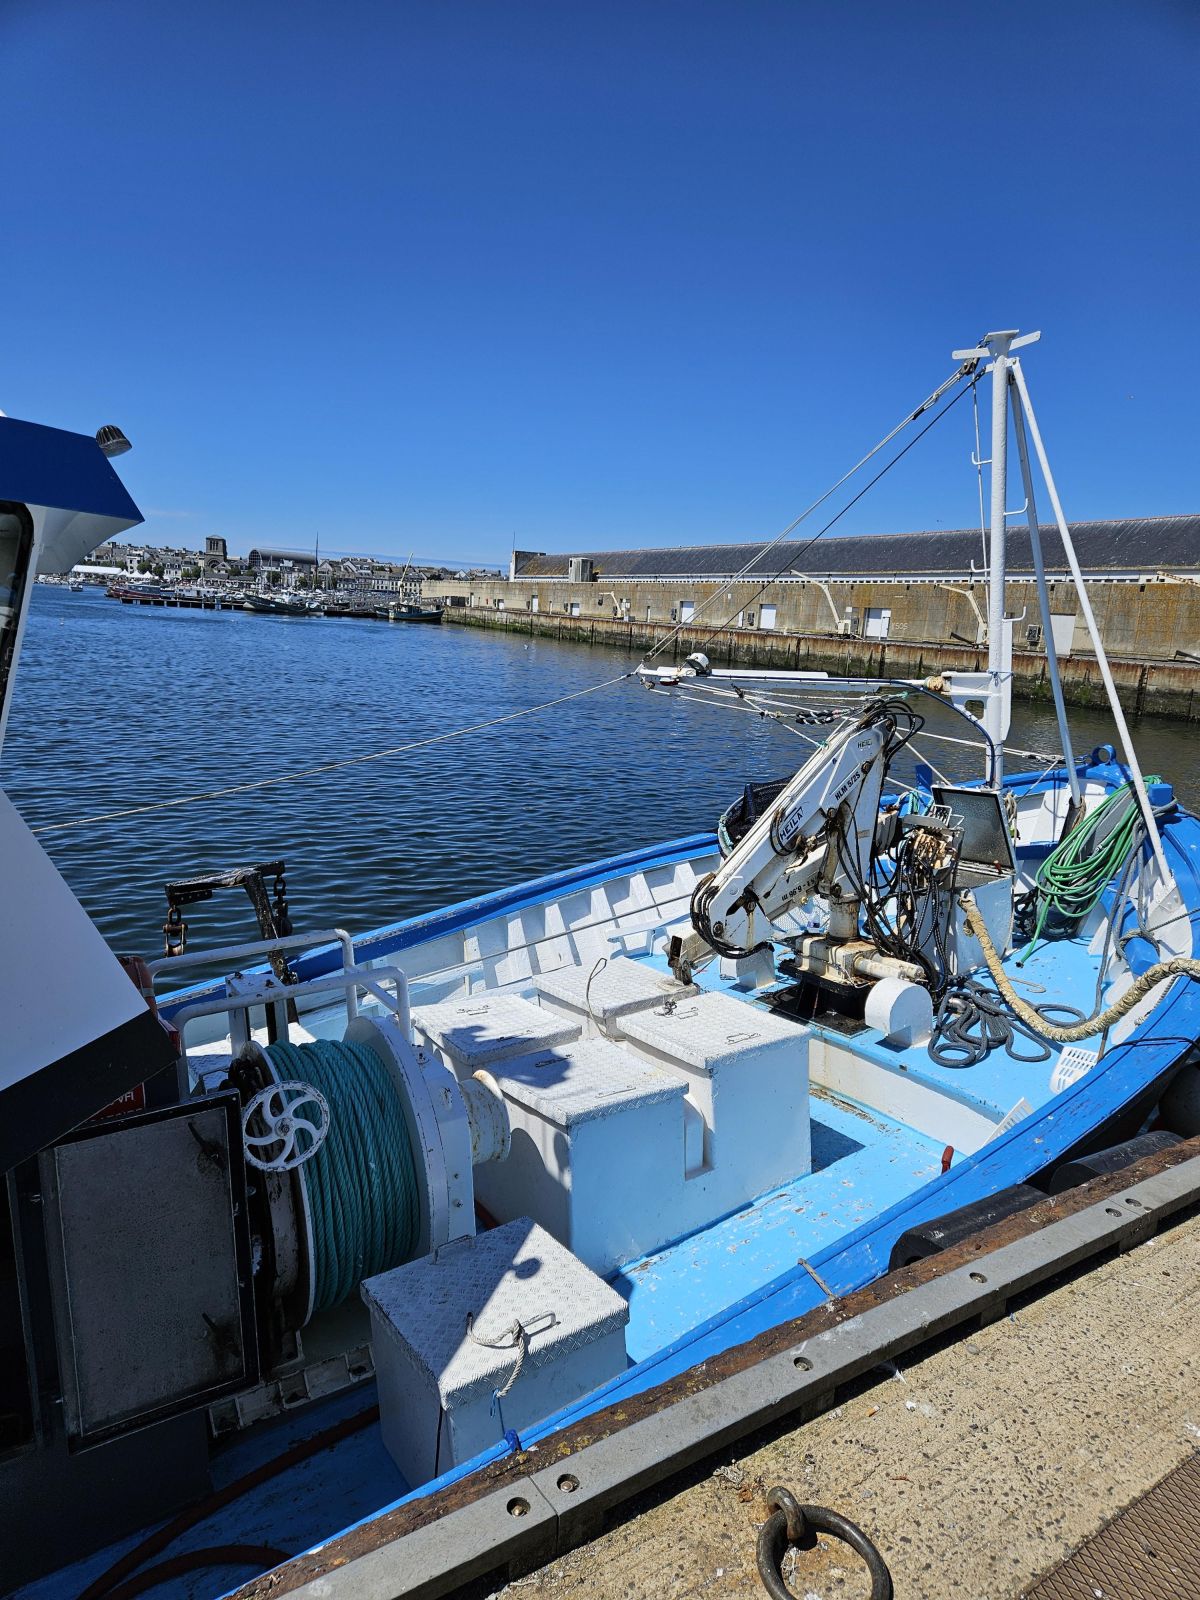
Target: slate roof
[268,552]
[1136,544]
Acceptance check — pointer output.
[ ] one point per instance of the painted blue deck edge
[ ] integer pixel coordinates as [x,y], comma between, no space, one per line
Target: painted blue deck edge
[1126,1072]
[396,936]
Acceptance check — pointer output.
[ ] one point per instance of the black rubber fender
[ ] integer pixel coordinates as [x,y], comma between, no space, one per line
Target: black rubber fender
[932,1237]
[1113,1159]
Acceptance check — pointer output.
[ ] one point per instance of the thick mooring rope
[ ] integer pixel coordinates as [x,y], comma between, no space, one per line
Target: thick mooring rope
[362,1182]
[1160,972]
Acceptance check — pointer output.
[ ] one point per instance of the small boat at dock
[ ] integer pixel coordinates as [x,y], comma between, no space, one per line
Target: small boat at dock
[359,1224]
[280,606]
[410,611]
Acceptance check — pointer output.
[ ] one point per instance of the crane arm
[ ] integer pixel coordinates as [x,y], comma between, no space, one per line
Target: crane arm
[816,838]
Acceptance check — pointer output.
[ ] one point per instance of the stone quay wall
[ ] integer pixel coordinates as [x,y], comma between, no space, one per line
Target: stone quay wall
[1151,684]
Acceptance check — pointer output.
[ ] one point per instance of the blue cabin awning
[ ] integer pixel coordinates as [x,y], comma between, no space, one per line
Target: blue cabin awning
[51,467]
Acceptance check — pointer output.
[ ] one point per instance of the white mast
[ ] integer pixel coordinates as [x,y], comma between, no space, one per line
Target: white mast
[999,636]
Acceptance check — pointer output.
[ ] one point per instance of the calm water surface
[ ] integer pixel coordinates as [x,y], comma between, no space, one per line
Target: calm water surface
[123,705]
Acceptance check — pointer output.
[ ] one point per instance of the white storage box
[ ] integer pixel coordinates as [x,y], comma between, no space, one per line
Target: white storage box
[486,1028]
[436,1382]
[747,1075]
[594,996]
[598,1150]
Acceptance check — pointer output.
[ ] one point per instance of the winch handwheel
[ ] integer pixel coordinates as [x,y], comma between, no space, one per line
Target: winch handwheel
[277,1107]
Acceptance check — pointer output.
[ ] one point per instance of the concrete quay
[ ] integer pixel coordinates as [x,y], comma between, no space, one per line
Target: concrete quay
[1146,685]
[975,1470]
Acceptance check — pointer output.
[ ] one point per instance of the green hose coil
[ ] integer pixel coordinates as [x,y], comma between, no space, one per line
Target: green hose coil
[1075,874]
[363,1194]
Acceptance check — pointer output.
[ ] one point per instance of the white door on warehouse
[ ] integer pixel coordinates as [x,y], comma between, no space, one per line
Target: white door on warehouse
[766,617]
[687,610]
[878,622]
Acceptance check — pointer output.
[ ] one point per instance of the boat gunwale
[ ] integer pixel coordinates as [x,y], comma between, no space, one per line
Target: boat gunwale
[1125,1076]
[393,937]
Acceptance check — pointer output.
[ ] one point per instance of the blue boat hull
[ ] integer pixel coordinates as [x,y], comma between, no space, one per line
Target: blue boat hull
[1118,1089]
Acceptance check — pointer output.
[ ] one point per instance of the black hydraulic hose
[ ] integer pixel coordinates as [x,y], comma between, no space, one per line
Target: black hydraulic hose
[260,1556]
[188,1518]
[972,1020]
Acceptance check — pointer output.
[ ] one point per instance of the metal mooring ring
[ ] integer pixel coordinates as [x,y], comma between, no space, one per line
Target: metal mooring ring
[794,1524]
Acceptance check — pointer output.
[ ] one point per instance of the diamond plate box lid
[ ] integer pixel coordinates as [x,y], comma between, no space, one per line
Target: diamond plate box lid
[712,1029]
[576,1082]
[612,990]
[515,1273]
[487,1027]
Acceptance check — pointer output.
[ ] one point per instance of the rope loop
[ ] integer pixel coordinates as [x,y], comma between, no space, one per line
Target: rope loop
[514,1337]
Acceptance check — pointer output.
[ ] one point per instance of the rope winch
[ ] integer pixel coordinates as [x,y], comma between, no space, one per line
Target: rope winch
[366,1147]
[361,1181]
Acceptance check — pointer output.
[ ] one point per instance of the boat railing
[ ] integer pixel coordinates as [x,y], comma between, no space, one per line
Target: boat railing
[245,990]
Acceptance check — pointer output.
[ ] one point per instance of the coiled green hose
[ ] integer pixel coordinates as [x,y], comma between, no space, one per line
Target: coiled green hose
[362,1183]
[1075,874]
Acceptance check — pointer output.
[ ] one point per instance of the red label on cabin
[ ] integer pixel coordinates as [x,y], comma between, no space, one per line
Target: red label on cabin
[132,1100]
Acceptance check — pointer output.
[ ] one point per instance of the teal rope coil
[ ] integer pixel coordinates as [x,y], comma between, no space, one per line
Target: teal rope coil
[363,1193]
[1075,874]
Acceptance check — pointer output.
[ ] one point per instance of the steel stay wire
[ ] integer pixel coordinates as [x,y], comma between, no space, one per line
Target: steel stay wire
[964,371]
[329,766]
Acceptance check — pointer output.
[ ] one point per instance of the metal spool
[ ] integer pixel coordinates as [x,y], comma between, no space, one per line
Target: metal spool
[449,1128]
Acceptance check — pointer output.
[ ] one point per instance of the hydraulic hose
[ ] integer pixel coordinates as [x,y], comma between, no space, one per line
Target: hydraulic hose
[1160,972]
[1076,872]
[302,1450]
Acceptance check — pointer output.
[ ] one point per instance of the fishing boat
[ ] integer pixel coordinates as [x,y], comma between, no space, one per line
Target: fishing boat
[278,605]
[411,611]
[307,1247]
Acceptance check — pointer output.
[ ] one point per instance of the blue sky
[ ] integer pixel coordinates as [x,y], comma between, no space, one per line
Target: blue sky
[433,275]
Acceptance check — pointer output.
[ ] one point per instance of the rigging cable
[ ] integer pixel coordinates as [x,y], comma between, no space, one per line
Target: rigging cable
[774,577]
[330,766]
[964,371]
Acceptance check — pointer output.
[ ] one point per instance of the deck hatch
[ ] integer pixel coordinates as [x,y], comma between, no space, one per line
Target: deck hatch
[149,1257]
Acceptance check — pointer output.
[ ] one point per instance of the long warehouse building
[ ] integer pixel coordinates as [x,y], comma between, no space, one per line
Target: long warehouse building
[916,588]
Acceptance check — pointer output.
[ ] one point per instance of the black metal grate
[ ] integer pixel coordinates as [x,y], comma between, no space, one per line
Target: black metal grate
[1150,1552]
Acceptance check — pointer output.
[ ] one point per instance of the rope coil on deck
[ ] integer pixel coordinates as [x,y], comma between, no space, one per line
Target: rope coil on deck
[362,1183]
[1160,972]
[1074,875]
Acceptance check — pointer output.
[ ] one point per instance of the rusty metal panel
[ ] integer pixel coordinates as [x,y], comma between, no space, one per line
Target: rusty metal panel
[1149,1552]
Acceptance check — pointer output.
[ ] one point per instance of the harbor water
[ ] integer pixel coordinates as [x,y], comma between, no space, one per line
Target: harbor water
[118,707]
